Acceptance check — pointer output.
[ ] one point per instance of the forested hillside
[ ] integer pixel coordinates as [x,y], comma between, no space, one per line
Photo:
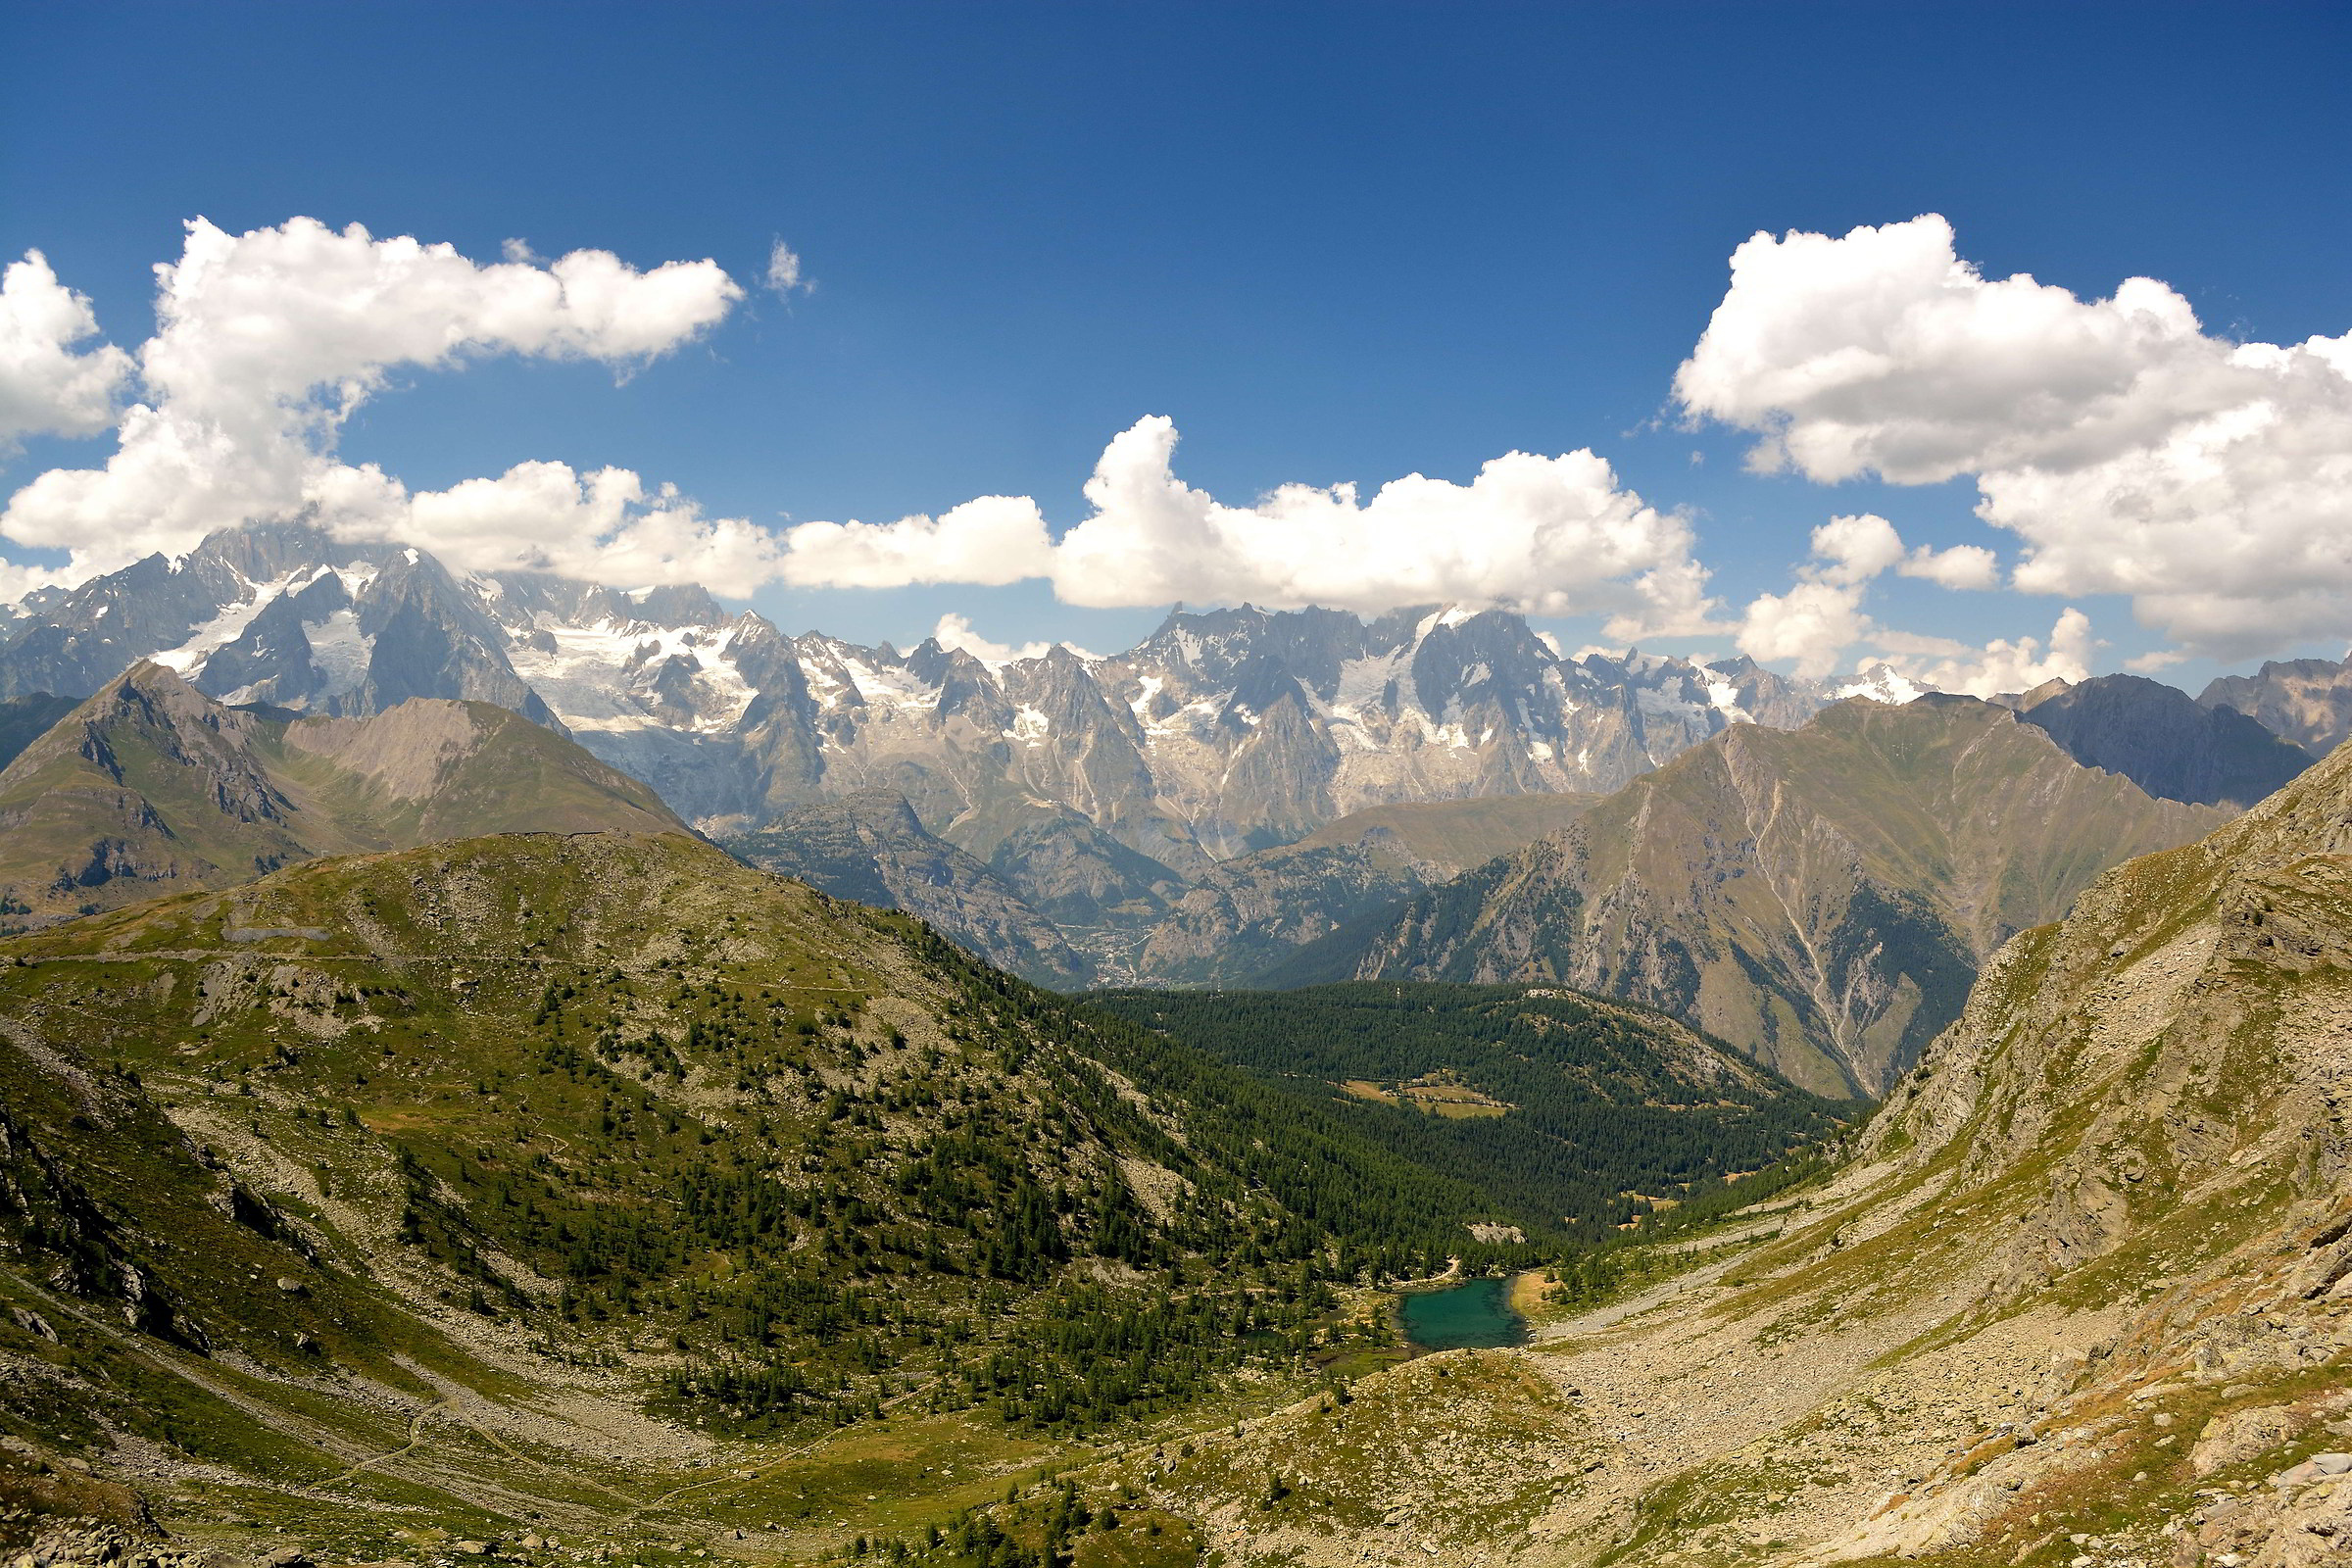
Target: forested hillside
[1579,1113]
[620,1116]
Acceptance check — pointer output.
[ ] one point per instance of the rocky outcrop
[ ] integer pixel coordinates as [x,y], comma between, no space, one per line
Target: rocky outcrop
[2167,744]
[1821,897]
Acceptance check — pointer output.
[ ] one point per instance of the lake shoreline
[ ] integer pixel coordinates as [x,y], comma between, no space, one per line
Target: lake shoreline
[1472,1313]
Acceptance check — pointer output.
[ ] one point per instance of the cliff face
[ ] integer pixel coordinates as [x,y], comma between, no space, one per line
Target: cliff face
[1821,897]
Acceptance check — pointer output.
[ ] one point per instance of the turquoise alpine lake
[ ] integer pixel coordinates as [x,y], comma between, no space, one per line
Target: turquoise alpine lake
[1474,1314]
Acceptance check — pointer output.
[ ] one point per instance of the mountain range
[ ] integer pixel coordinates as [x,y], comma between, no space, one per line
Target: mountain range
[1119,800]
[1822,898]
[1098,788]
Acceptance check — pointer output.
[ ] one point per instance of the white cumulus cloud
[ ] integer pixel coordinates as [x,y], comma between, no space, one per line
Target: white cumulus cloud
[603,527]
[1818,619]
[990,541]
[269,341]
[1813,623]
[1962,566]
[1552,536]
[2131,449]
[2001,665]
[1853,550]
[957,632]
[46,387]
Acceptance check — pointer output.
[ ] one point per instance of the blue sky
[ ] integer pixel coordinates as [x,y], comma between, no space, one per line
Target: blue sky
[1331,243]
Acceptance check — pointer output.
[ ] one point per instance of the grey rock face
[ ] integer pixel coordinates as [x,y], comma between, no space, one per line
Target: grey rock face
[2307,701]
[2169,745]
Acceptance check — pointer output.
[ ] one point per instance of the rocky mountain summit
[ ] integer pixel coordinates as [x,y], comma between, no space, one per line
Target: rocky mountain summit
[2307,701]
[150,787]
[1821,896]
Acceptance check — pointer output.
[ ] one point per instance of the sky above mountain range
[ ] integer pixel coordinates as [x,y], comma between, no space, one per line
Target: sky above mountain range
[1995,342]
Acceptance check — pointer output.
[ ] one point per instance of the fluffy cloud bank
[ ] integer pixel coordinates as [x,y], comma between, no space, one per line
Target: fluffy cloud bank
[1820,619]
[2132,451]
[269,341]
[46,388]
[1548,535]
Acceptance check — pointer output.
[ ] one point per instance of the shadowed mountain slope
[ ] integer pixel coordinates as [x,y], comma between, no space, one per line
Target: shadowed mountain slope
[1821,897]
[25,720]
[2161,740]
